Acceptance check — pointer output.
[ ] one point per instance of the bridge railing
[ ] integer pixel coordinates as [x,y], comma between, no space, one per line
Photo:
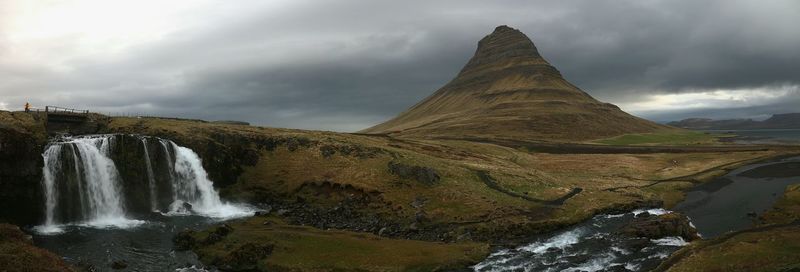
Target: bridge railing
[61,110]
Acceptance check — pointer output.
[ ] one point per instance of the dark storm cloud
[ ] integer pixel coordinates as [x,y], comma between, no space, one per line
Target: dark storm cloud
[345,65]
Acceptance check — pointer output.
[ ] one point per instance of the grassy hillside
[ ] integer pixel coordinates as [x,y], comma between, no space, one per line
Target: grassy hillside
[430,190]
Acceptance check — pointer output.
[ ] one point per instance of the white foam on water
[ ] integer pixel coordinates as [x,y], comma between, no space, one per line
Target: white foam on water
[658,211]
[608,216]
[620,250]
[49,229]
[670,241]
[112,223]
[191,269]
[593,265]
[632,266]
[560,241]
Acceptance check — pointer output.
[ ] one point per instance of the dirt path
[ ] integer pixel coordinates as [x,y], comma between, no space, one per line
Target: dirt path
[491,183]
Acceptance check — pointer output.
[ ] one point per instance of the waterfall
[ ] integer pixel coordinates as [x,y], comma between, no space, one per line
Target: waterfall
[83,186]
[79,172]
[101,178]
[191,185]
[51,164]
[151,178]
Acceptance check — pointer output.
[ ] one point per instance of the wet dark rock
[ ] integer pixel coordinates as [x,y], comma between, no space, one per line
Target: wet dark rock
[184,240]
[637,243]
[212,238]
[21,174]
[643,215]
[282,212]
[218,234]
[616,268]
[224,230]
[186,206]
[655,227]
[119,264]
[578,258]
[383,231]
[554,250]
[421,174]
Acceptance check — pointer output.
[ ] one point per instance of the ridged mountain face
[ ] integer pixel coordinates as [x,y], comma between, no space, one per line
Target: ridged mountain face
[507,90]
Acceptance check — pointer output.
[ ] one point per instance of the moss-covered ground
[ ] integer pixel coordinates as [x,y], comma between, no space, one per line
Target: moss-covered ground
[302,248]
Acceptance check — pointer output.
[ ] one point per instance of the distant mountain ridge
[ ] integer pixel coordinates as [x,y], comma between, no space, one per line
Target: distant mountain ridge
[777,121]
[508,90]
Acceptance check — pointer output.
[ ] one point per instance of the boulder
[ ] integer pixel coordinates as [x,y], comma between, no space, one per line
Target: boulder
[665,225]
[119,264]
[184,240]
[424,175]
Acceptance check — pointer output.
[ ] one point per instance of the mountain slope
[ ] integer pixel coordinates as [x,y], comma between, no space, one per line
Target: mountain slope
[507,90]
[776,121]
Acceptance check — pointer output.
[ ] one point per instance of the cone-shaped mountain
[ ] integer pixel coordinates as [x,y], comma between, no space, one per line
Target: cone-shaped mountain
[507,90]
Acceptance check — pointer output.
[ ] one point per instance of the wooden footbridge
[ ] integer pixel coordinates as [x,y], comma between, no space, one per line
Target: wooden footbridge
[65,115]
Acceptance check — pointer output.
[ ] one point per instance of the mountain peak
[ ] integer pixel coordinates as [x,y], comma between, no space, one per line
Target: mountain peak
[503,44]
[507,90]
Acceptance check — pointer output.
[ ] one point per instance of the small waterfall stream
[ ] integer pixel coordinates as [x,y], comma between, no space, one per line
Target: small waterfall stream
[83,186]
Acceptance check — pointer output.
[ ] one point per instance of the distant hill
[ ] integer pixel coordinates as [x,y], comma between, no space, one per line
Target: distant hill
[777,121]
[508,90]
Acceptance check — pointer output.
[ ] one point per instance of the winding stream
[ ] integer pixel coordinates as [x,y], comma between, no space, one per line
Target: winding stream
[734,201]
[729,203]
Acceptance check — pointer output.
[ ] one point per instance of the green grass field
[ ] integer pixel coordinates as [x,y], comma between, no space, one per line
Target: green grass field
[663,138]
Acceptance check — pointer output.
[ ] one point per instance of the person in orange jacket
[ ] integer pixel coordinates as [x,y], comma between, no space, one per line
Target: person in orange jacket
[27,107]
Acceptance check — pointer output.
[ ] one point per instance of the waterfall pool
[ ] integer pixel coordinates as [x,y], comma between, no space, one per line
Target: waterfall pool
[147,246]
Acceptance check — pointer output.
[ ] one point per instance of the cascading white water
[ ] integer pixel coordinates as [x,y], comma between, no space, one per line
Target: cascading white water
[191,185]
[96,187]
[51,165]
[95,177]
[102,180]
[151,178]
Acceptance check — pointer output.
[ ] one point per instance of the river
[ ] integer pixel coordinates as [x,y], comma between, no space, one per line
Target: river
[730,203]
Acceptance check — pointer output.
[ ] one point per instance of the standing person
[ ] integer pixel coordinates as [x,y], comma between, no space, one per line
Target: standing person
[27,107]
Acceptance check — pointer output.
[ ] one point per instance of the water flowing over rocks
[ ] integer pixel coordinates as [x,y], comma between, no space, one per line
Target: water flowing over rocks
[106,180]
[599,244]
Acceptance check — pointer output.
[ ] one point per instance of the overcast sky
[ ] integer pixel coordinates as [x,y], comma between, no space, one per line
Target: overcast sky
[347,65]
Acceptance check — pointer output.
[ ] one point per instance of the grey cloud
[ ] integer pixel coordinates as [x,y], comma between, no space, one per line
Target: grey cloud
[346,65]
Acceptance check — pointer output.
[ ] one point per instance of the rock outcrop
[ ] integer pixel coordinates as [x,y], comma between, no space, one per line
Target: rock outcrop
[508,90]
[22,140]
[660,226]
